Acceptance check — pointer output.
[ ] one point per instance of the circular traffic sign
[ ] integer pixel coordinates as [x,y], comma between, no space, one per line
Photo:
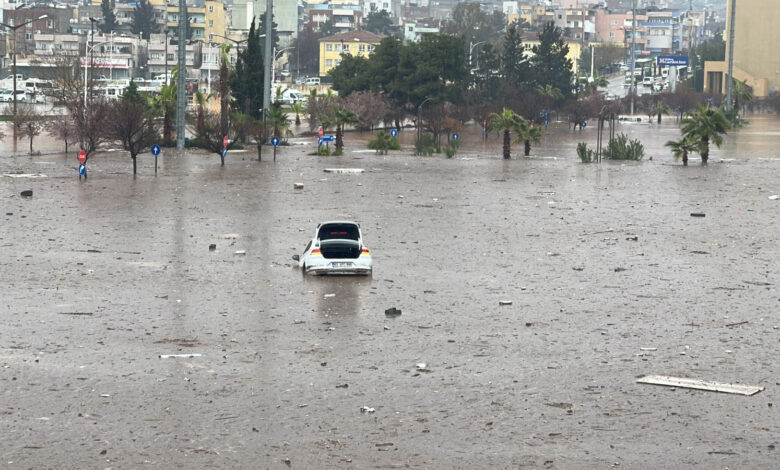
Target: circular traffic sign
[455,136]
[394,132]
[321,131]
[224,141]
[275,141]
[155,150]
[82,156]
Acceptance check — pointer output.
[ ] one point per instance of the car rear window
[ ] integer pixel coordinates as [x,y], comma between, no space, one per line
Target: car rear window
[338,231]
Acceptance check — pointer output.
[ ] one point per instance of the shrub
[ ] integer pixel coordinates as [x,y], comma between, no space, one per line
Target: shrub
[383,142]
[452,148]
[586,155]
[620,148]
[425,145]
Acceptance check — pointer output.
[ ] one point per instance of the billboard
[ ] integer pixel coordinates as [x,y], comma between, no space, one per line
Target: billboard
[671,60]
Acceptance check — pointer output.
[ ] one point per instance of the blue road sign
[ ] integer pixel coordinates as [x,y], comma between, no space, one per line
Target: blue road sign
[629,63]
[670,60]
[394,132]
[82,169]
[455,136]
[224,152]
[155,150]
[275,141]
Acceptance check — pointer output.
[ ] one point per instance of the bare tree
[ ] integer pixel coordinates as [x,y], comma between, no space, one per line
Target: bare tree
[28,123]
[61,128]
[131,122]
[370,108]
[90,121]
[209,132]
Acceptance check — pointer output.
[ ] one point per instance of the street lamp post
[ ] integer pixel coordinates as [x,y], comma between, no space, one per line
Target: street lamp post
[13,72]
[419,119]
[277,54]
[471,48]
[88,52]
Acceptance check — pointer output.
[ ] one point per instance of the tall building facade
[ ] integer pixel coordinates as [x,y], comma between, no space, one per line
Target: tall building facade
[285,16]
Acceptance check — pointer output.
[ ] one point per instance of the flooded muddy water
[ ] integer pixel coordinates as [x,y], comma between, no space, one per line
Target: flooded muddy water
[609,277]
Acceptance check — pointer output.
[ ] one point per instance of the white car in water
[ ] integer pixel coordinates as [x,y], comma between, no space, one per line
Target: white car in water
[337,248]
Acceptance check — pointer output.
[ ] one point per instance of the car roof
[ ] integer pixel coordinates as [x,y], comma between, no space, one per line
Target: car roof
[338,222]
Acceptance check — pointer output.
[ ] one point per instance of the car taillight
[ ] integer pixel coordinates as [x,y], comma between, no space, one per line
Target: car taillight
[316,251]
[365,252]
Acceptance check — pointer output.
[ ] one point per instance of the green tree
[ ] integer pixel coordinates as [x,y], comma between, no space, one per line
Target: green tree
[165,104]
[514,64]
[707,125]
[681,148]
[660,108]
[246,82]
[506,122]
[352,74]
[742,93]
[143,19]
[339,119]
[109,18]
[297,108]
[279,122]
[527,133]
[382,142]
[549,63]
[379,22]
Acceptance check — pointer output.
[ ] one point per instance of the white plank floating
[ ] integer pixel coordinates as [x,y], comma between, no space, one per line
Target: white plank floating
[700,384]
[344,170]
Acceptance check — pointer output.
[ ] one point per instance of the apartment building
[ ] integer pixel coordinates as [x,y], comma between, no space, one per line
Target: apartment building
[355,43]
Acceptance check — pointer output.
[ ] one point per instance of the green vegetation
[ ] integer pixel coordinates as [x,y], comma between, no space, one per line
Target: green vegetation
[620,148]
[586,155]
[707,125]
[382,142]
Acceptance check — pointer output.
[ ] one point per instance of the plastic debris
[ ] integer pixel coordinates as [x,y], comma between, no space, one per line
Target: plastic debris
[681,382]
[344,170]
[213,247]
[327,296]
[297,185]
[774,197]
[168,356]
[697,214]
[504,302]
[422,366]
[239,252]
[27,193]
[366,409]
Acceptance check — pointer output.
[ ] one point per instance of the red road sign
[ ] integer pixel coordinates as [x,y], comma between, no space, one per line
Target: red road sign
[82,156]
[224,141]
[322,132]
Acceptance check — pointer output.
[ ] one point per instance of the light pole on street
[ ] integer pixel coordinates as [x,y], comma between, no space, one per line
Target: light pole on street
[277,54]
[419,119]
[13,72]
[471,48]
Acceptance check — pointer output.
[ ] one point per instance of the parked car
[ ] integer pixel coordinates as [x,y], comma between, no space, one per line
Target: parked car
[647,81]
[312,81]
[8,96]
[337,248]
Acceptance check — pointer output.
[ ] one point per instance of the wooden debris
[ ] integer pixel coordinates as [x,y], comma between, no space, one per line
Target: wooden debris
[682,382]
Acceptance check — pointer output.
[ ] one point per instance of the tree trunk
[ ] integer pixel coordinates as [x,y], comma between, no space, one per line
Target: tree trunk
[66,145]
[507,144]
[705,153]
[31,139]
[134,164]
[659,118]
[339,139]
[259,150]
[527,147]
[685,158]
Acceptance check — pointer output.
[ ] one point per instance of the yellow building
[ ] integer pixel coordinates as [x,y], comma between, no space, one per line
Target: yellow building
[575,50]
[756,36]
[207,23]
[355,43]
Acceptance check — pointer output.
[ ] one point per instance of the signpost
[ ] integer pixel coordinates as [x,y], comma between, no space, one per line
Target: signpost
[224,149]
[155,152]
[82,164]
[393,132]
[455,136]
[324,140]
[275,143]
[671,60]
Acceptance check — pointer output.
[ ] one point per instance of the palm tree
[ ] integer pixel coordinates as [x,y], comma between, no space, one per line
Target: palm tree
[297,108]
[743,93]
[341,117]
[165,104]
[681,148]
[505,122]
[661,108]
[279,122]
[527,133]
[704,126]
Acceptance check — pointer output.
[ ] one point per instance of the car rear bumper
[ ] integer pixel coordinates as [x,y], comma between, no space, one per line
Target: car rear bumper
[324,270]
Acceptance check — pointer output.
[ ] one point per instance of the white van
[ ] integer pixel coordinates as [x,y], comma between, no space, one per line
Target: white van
[312,81]
[291,96]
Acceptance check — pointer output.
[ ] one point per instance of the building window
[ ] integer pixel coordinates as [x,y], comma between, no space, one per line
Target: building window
[370,48]
[49,23]
[211,23]
[612,35]
[329,47]
[614,23]
[169,57]
[211,38]
[560,17]
[155,55]
[211,8]
[362,48]
[411,28]
[329,62]
[28,36]
[337,47]
[346,48]
[338,62]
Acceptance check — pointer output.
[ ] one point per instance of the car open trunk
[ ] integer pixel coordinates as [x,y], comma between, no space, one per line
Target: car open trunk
[340,249]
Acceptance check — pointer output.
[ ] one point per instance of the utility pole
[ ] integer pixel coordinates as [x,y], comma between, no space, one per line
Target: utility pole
[180,92]
[730,77]
[268,57]
[633,53]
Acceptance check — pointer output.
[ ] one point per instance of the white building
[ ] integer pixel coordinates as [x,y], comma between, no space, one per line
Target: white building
[285,16]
